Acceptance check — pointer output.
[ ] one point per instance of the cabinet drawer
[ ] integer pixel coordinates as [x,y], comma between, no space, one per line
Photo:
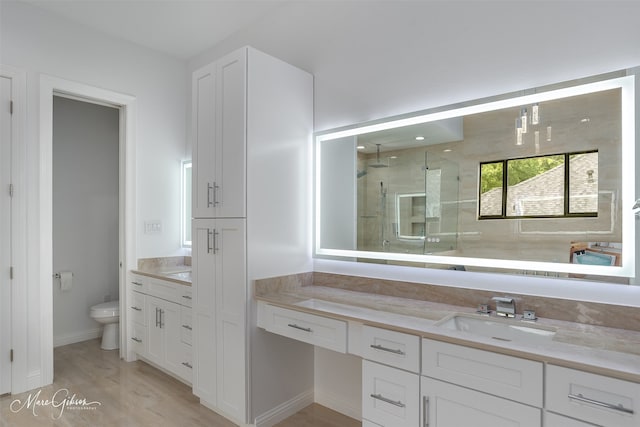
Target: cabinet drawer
[310,328]
[392,348]
[594,398]
[505,376]
[186,326]
[448,405]
[136,308]
[186,295]
[390,397]
[139,339]
[554,420]
[138,284]
[164,290]
[186,362]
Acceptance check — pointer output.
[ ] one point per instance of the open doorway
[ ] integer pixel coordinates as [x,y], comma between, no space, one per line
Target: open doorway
[85,221]
[51,90]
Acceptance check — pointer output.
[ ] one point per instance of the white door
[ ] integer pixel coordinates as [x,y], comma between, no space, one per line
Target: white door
[5,236]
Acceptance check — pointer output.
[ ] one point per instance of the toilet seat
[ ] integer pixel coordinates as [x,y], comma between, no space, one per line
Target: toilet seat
[106,309]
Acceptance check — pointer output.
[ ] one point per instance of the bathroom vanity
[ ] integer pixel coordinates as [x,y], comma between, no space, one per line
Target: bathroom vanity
[419,371]
[161,320]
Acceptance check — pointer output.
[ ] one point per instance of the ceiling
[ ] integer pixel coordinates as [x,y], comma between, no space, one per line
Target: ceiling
[180,28]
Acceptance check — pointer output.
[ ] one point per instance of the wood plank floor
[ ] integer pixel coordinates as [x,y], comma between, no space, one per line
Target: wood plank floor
[130,395]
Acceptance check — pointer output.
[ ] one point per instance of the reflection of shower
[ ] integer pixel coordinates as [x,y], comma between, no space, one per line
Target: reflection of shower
[382,214]
[378,164]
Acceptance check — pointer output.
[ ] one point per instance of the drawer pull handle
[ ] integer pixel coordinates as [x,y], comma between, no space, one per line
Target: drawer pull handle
[581,398]
[398,403]
[186,296]
[137,283]
[390,350]
[136,339]
[136,308]
[425,411]
[187,327]
[293,325]
[188,365]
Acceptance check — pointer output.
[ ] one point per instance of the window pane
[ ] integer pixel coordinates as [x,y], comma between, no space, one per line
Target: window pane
[491,178]
[535,186]
[583,183]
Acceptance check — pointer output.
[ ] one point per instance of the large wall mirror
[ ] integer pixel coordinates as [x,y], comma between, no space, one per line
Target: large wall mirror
[541,182]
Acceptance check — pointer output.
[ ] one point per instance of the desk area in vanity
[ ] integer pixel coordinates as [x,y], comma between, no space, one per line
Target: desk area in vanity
[414,369]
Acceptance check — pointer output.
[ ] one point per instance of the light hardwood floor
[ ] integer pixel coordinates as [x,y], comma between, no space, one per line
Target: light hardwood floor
[130,395]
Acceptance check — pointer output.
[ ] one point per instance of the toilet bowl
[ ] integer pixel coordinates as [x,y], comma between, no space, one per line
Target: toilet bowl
[108,314]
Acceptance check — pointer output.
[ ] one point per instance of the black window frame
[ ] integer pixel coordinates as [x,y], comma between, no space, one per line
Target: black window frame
[505,165]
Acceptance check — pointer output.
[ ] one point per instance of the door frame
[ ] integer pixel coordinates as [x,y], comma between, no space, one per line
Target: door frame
[50,86]
[18,303]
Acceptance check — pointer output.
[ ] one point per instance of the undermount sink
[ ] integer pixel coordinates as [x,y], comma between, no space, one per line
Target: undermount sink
[497,328]
[180,275]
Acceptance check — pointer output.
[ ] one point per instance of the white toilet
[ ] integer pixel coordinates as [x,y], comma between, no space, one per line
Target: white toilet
[108,314]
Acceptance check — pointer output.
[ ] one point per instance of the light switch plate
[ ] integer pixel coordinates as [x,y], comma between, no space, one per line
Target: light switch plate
[153,227]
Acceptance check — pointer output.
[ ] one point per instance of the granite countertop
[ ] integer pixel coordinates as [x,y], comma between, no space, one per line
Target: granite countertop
[172,269]
[597,349]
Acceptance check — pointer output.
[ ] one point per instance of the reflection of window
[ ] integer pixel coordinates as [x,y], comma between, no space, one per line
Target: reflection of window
[540,187]
[186,203]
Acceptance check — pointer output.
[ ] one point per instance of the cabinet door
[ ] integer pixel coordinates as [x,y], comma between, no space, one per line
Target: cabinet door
[448,405]
[390,397]
[219,141]
[170,322]
[230,135]
[204,298]
[155,342]
[230,310]
[203,129]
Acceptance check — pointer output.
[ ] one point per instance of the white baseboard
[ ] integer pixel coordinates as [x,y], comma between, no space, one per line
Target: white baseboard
[338,405]
[75,337]
[285,410]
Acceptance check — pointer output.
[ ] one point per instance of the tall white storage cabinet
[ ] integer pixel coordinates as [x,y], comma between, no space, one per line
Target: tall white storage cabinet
[252,124]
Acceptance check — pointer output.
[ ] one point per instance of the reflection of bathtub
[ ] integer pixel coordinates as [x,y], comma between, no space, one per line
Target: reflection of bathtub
[593,258]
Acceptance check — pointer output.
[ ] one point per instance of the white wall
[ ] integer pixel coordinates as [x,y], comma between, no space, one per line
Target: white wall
[85,214]
[38,42]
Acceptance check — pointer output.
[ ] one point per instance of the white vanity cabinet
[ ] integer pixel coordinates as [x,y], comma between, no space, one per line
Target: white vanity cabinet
[252,120]
[390,377]
[467,386]
[158,311]
[597,399]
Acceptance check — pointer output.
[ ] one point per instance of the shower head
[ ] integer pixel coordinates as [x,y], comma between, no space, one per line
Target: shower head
[378,164]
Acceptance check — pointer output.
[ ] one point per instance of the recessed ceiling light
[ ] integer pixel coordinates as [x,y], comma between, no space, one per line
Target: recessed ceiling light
[447,150]
[360,147]
[393,157]
[585,120]
[419,138]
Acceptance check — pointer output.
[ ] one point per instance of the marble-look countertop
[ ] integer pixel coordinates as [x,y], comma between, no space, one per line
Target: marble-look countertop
[600,350]
[175,269]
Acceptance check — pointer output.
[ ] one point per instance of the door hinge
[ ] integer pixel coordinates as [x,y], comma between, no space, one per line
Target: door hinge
[11,272]
[10,190]
[10,107]
[11,356]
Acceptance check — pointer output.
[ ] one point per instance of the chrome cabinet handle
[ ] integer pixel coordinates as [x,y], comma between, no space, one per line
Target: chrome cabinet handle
[136,283]
[425,411]
[209,188]
[212,235]
[397,403]
[136,308]
[136,339]
[188,365]
[215,194]
[161,318]
[157,317]
[293,325]
[186,296]
[580,398]
[187,327]
[390,350]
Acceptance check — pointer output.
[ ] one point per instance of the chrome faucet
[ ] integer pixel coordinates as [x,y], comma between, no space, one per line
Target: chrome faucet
[505,306]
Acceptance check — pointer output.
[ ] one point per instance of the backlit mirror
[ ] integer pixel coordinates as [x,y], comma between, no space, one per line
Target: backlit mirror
[541,182]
